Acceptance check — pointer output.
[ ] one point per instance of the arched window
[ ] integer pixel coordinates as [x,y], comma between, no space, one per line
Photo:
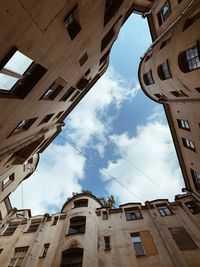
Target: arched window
[72,257]
[189,59]
[77,225]
[81,203]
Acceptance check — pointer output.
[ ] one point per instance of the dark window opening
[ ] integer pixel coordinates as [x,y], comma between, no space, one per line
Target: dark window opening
[66,96]
[83,59]
[196,179]
[163,71]
[58,115]
[178,93]
[33,226]
[164,210]
[148,57]
[46,118]
[104,57]
[160,96]
[148,78]
[183,124]
[6,181]
[82,83]
[105,215]
[87,72]
[189,60]
[107,38]
[197,89]
[133,214]
[72,257]
[23,126]
[11,228]
[55,220]
[107,242]
[111,8]
[72,24]
[52,92]
[81,203]
[45,250]
[164,43]
[74,96]
[77,225]
[137,243]
[164,13]
[190,21]
[193,207]
[188,144]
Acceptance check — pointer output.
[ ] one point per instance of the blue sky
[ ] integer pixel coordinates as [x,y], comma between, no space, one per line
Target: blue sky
[116,141]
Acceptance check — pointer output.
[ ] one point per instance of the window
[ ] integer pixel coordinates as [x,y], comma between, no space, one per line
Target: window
[82,83]
[71,23]
[164,210]
[160,96]
[188,144]
[68,94]
[104,57]
[81,203]
[179,93]
[46,118]
[19,255]
[77,225]
[190,21]
[182,238]
[74,96]
[33,226]
[193,207]
[12,226]
[55,220]
[133,214]
[45,250]
[8,180]
[164,13]
[83,59]
[165,42]
[196,179]
[18,74]
[1,249]
[148,56]
[189,60]
[72,257]
[107,242]
[137,243]
[58,115]
[1,218]
[23,126]
[183,124]
[52,91]
[163,71]
[87,72]
[111,7]
[107,39]
[148,78]
[105,215]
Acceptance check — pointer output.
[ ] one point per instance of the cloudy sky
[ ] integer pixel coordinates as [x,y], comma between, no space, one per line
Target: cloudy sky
[116,141]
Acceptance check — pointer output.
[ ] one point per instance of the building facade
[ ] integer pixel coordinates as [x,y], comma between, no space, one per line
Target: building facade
[86,233]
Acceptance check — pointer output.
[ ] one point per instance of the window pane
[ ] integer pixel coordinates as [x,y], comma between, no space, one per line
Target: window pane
[7,82]
[136,239]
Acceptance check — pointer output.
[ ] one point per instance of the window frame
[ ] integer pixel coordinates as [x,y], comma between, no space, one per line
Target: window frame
[187,143]
[183,124]
[161,15]
[164,210]
[72,23]
[163,71]
[148,78]
[137,244]
[133,213]
[77,225]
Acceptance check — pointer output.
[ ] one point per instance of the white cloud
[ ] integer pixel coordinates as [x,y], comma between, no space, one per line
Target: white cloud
[149,155]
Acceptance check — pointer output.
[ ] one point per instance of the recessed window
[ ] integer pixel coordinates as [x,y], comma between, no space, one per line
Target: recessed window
[189,60]
[148,78]
[82,83]
[193,207]
[179,93]
[164,13]
[87,72]
[77,225]
[74,96]
[111,7]
[137,243]
[160,96]
[188,144]
[55,220]
[46,118]
[12,226]
[107,242]
[52,91]
[18,257]
[133,214]
[189,22]
[105,215]
[197,89]
[72,257]
[18,74]
[107,38]
[45,250]
[81,203]
[164,210]
[58,115]
[104,57]
[33,226]
[148,56]
[71,23]
[83,59]
[196,179]
[23,126]
[6,181]
[183,124]
[163,71]
[66,96]
[165,42]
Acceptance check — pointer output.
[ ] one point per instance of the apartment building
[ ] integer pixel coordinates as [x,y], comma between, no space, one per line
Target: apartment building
[169,74]
[86,233]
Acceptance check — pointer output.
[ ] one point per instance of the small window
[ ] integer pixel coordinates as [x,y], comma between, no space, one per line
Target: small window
[77,225]
[81,203]
[87,72]
[52,91]
[189,22]
[183,124]
[189,60]
[6,181]
[164,210]
[66,96]
[1,249]
[18,257]
[111,8]
[55,220]
[58,115]
[72,24]
[82,83]
[1,218]
[148,56]
[45,250]
[83,59]
[74,96]
[105,215]
[104,57]
[72,257]
[33,226]
[137,243]
[196,179]
[193,207]
[23,126]
[133,214]
[108,38]
[164,43]
[107,242]
[11,228]
[188,144]
[46,118]
[160,96]
[179,93]
[164,13]
[148,78]
[163,71]
[197,89]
